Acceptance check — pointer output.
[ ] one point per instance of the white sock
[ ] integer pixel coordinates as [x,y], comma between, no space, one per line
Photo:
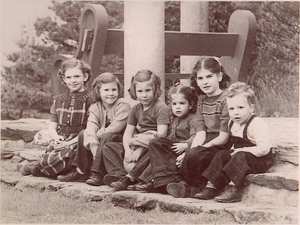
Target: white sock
[210,185]
[130,177]
[79,170]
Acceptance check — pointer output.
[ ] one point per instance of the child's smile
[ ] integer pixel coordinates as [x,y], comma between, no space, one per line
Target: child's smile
[74,79]
[109,93]
[209,82]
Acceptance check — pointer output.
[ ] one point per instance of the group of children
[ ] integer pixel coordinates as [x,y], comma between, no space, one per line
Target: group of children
[200,145]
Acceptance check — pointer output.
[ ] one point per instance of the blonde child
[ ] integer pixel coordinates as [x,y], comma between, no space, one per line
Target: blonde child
[147,119]
[69,114]
[211,121]
[251,151]
[164,151]
[106,122]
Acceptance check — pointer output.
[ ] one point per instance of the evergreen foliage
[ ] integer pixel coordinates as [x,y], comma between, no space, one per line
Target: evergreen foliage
[273,71]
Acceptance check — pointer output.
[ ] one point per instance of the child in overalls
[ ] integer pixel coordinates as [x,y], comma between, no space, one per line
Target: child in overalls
[250,153]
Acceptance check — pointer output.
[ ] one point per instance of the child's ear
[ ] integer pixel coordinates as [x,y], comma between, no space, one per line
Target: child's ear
[63,78]
[86,76]
[252,107]
[220,76]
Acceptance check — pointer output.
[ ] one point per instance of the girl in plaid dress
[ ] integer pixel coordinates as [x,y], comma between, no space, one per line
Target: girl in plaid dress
[250,153]
[68,118]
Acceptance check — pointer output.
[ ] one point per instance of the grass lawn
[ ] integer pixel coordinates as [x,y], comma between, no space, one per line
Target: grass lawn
[31,206]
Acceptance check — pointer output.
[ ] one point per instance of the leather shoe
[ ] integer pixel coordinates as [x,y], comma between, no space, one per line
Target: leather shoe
[181,190]
[147,187]
[72,177]
[231,194]
[95,180]
[207,193]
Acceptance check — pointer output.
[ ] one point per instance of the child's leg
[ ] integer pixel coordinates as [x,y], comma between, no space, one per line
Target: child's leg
[113,156]
[196,160]
[163,162]
[245,163]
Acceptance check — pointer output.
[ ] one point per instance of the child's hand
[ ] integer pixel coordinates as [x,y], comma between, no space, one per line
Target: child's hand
[128,155]
[179,160]
[179,147]
[136,154]
[58,139]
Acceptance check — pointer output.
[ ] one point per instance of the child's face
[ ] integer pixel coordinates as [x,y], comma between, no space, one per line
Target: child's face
[144,93]
[74,79]
[109,93]
[180,106]
[239,108]
[208,82]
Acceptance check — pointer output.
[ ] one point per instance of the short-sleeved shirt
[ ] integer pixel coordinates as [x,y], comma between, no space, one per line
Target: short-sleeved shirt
[212,114]
[157,114]
[70,111]
[183,129]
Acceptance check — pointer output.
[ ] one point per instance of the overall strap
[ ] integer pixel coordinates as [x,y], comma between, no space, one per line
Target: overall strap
[245,136]
[230,126]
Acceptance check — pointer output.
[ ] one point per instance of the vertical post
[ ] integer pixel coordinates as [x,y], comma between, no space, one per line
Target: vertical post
[144,40]
[193,18]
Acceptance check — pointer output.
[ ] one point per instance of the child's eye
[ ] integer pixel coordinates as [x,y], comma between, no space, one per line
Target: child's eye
[241,107]
[230,109]
[173,103]
[199,78]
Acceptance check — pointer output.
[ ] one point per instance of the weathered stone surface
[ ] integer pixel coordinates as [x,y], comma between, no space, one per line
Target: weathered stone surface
[263,195]
[252,208]
[29,124]
[276,180]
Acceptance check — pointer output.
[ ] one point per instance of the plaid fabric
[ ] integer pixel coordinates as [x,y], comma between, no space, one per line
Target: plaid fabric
[224,168]
[69,110]
[55,161]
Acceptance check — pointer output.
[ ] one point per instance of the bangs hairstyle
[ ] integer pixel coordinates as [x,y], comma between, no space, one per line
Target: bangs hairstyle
[142,76]
[75,63]
[214,66]
[105,78]
[189,94]
[241,88]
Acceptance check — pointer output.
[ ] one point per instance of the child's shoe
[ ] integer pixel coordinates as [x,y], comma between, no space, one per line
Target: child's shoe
[122,184]
[207,193]
[72,176]
[26,170]
[231,194]
[109,178]
[95,179]
[181,190]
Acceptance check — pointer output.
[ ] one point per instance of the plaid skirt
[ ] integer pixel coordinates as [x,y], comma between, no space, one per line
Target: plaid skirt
[58,161]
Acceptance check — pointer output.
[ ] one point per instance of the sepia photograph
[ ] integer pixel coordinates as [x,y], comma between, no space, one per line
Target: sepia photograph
[149,112]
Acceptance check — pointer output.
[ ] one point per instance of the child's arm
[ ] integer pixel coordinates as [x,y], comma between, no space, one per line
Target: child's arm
[129,132]
[199,138]
[119,121]
[162,130]
[53,133]
[258,131]
[220,140]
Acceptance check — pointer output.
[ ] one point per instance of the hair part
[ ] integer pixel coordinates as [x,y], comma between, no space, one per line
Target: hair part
[241,88]
[105,78]
[142,76]
[189,94]
[214,66]
[75,63]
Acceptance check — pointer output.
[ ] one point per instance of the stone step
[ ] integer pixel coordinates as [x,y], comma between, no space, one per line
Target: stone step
[244,212]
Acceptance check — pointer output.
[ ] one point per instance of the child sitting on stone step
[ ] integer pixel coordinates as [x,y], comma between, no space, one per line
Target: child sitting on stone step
[250,153]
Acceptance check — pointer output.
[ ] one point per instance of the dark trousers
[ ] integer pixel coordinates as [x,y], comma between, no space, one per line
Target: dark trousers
[83,157]
[98,164]
[224,168]
[113,157]
[196,160]
[163,162]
